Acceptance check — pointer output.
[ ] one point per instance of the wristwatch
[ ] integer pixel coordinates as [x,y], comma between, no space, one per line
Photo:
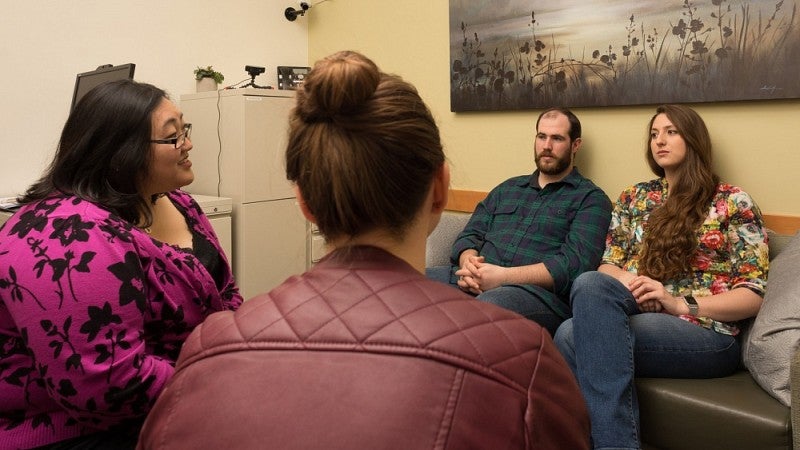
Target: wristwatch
[692,304]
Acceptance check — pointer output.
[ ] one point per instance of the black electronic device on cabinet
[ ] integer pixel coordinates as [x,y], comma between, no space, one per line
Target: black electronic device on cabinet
[291,77]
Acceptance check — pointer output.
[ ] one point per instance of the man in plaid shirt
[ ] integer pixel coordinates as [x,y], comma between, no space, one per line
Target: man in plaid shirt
[534,234]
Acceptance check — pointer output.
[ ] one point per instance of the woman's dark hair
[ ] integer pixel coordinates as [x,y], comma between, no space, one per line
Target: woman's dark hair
[671,230]
[363,147]
[104,150]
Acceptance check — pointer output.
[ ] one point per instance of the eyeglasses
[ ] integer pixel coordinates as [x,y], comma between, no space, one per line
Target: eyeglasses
[178,140]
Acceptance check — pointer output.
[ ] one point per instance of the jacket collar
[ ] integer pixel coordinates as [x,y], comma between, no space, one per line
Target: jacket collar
[364,257]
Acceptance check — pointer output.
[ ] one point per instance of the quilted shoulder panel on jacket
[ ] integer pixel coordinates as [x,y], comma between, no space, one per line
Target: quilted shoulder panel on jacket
[377,305]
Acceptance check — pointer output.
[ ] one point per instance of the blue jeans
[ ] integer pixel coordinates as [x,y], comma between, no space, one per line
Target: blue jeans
[510,297]
[608,342]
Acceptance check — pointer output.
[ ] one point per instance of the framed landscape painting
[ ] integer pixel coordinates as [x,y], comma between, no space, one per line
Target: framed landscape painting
[523,54]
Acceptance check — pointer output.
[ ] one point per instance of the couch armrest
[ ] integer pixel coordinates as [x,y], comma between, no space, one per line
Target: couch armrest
[794,385]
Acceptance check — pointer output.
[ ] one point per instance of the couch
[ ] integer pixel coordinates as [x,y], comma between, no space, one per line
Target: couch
[733,412]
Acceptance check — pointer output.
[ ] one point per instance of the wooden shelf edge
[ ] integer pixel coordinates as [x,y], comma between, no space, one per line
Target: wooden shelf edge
[782,224]
[465,201]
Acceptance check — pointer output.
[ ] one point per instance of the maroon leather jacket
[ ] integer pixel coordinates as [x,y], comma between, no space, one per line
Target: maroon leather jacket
[364,352]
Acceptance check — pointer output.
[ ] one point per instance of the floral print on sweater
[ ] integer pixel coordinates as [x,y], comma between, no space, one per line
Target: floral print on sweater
[93,313]
[732,246]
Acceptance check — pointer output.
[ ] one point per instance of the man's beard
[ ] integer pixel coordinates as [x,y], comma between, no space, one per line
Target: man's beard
[560,165]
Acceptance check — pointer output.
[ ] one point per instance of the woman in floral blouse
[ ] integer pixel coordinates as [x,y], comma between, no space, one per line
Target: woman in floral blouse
[686,258]
[104,271]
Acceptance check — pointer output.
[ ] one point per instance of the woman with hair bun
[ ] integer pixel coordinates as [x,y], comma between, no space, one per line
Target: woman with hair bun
[686,258]
[363,351]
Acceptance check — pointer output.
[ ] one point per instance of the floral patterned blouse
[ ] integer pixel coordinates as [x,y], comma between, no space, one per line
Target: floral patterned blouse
[93,314]
[732,250]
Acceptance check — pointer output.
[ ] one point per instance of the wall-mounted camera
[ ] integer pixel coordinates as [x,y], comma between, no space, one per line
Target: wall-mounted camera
[291,13]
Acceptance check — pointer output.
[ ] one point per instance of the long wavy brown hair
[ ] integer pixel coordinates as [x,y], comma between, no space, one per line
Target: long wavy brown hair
[670,235]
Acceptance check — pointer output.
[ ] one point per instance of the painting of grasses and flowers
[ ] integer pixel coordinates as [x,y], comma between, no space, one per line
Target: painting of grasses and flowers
[525,54]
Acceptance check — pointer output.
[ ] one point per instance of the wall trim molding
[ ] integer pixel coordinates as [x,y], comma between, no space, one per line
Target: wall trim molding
[465,201]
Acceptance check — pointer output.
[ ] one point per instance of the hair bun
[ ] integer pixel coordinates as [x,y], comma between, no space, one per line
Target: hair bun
[338,85]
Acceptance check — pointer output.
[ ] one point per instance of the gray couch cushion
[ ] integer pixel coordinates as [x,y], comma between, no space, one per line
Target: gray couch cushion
[440,242]
[777,242]
[775,333]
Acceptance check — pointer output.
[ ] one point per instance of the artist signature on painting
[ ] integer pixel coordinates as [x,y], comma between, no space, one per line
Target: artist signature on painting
[770,89]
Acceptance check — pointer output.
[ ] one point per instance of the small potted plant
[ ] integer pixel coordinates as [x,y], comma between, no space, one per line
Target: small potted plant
[207,78]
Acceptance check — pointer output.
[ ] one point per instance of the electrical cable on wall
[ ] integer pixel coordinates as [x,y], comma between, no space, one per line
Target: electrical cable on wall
[219,140]
[237,85]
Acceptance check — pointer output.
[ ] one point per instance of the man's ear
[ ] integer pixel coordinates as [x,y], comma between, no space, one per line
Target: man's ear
[576,144]
[303,207]
[441,188]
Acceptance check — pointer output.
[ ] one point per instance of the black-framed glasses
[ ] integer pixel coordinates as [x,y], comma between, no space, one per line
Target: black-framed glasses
[178,140]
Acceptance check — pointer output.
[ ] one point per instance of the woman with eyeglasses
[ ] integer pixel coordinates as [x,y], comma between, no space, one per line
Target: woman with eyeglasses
[104,271]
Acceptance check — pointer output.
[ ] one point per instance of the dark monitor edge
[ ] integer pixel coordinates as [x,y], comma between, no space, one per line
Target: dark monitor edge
[85,81]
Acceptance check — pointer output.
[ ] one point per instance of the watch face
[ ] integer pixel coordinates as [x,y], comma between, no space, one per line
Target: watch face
[692,304]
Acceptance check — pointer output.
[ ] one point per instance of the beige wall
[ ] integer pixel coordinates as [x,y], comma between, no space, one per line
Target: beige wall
[754,141]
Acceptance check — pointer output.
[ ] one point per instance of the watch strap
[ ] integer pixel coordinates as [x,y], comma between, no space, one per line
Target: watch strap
[692,304]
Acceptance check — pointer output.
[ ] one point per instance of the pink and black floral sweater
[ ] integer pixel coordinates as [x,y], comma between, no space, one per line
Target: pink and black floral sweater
[93,313]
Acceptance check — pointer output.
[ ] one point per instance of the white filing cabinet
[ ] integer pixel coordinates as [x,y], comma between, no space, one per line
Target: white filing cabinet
[239,139]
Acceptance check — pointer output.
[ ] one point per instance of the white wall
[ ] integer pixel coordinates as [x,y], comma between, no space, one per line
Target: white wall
[45,43]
